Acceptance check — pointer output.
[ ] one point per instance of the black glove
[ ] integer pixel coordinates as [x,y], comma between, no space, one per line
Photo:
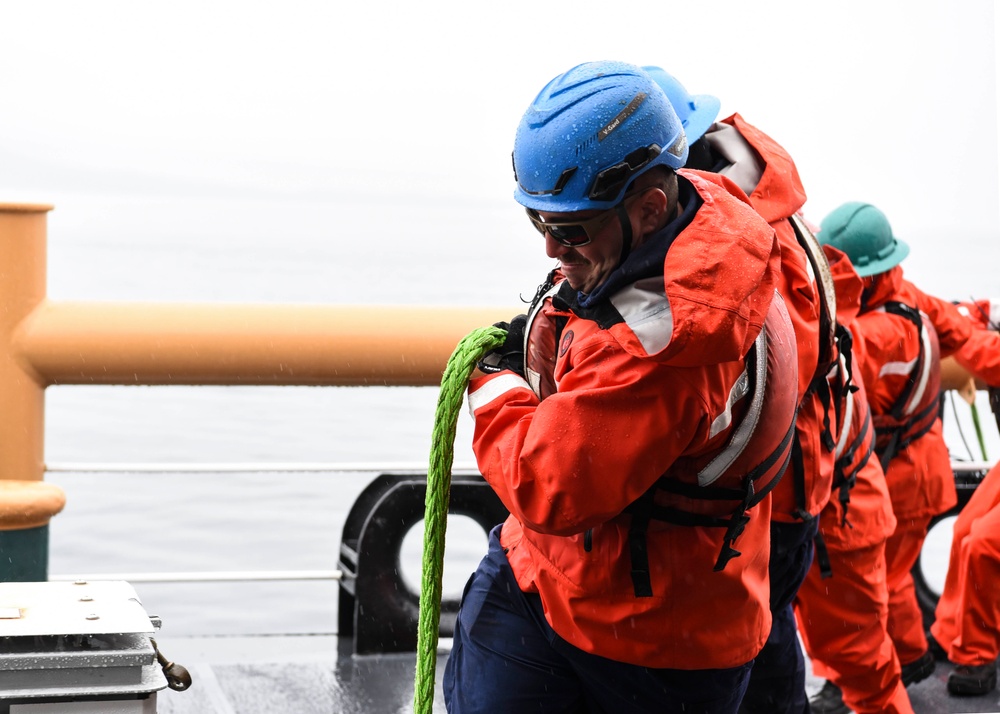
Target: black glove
[509,355]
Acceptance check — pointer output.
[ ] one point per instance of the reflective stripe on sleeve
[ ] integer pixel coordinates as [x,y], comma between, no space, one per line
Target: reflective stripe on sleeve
[496,387]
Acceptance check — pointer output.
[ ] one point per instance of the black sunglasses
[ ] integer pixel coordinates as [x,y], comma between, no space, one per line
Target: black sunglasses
[574,234]
[571,234]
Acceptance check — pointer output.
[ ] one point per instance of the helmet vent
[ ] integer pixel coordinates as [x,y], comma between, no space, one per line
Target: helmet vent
[580,148]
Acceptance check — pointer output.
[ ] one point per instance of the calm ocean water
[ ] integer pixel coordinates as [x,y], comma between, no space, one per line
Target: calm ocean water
[265,249]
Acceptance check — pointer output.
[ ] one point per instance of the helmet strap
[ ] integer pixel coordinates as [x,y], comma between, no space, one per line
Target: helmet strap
[626,223]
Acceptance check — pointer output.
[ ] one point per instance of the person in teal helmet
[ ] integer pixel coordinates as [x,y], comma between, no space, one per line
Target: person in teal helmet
[863,232]
[902,333]
[632,423]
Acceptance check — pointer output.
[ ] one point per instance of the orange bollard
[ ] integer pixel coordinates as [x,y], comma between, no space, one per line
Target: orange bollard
[26,504]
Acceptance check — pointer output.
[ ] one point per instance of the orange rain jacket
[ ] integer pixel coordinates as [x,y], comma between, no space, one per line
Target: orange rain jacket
[983,314]
[635,397]
[967,619]
[920,479]
[980,355]
[766,172]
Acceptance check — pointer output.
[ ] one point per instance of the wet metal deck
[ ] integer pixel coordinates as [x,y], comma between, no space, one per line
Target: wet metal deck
[307,675]
[275,675]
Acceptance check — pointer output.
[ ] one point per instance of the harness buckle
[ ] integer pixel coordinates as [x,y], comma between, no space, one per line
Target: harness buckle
[737,524]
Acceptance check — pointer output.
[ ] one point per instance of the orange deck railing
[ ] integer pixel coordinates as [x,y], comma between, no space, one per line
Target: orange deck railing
[44,343]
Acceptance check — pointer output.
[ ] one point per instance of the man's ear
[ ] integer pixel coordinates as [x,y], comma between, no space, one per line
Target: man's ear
[652,208]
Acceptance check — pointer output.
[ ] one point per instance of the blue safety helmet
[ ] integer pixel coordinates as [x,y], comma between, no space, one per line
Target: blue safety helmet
[863,232]
[589,133]
[697,112]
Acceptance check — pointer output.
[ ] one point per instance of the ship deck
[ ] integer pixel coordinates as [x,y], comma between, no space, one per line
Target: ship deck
[307,674]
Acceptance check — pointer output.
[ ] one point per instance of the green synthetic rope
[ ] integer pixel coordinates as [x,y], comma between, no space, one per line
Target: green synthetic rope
[462,362]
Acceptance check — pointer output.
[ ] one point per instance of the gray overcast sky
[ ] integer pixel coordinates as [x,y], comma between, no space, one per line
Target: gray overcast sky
[891,102]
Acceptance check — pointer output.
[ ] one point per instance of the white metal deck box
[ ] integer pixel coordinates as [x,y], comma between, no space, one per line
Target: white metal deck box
[78,648]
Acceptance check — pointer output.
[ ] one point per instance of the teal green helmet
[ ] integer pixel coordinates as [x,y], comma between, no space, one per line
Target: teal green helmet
[863,232]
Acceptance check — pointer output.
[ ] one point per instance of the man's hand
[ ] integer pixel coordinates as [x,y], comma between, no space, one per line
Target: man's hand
[509,355]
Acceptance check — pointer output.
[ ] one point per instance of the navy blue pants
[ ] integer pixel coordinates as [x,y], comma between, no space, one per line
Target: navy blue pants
[506,658]
[778,679]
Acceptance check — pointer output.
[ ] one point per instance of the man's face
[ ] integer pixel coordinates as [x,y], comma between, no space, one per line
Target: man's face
[586,266]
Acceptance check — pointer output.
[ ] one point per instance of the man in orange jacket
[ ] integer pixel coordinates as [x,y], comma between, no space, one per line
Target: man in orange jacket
[967,618]
[902,333]
[766,173]
[633,424]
